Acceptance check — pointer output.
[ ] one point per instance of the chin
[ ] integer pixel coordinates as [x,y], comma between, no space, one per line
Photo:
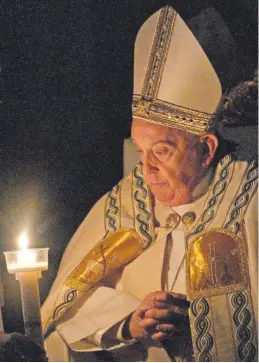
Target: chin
[169,197]
[163,196]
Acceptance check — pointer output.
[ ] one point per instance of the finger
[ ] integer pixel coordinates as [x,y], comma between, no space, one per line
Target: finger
[143,307]
[158,336]
[146,334]
[173,328]
[166,328]
[160,305]
[167,316]
[161,296]
[139,313]
[178,295]
[178,309]
[179,300]
[157,314]
[155,304]
[148,323]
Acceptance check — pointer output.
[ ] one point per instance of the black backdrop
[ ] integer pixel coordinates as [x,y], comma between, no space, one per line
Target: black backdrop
[66,70]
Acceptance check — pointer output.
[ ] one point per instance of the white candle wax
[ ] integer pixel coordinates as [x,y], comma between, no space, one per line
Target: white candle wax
[27,265]
[31,305]
[26,258]
[37,266]
[33,259]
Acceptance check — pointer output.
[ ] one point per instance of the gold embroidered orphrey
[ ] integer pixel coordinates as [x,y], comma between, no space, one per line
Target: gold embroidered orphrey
[216,264]
[147,105]
[114,251]
[158,53]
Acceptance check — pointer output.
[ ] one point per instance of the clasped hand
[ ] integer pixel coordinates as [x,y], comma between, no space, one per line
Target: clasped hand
[159,316]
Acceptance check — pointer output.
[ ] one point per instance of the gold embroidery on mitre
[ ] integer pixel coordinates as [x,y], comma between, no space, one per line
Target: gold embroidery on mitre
[159,51]
[113,252]
[216,264]
[144,107]
[167,114]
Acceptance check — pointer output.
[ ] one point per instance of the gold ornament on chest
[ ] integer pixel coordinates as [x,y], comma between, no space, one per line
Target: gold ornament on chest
[173,220]
[188,218]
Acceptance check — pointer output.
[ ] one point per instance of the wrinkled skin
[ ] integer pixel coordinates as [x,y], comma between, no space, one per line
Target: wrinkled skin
[18,348]
[174,162]
[159,315]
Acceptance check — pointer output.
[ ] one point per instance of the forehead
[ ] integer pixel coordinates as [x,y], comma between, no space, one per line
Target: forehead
[145,129]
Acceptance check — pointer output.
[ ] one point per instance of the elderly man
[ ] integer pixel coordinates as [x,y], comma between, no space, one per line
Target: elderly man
[182,223]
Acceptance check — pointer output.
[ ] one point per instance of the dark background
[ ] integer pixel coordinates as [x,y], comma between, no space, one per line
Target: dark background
[66,82]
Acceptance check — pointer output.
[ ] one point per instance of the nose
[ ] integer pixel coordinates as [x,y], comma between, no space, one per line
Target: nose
[149,163]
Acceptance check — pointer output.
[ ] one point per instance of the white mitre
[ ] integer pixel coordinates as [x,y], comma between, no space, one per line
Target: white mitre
[174,82]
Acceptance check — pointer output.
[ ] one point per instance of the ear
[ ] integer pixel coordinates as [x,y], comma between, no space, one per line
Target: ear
[210,144]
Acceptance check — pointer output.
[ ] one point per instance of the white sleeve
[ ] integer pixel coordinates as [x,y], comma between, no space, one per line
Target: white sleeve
[113,338]
[91,321]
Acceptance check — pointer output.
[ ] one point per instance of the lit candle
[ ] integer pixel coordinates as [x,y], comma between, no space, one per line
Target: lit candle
[26,259]
[27,265]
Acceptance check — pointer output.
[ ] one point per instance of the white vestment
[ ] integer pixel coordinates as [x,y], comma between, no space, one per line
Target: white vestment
[95,321]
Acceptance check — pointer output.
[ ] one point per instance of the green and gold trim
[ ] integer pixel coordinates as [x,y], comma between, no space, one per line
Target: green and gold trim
[142,209]
[112,209]
[216,193]
[218,284]
[241,202]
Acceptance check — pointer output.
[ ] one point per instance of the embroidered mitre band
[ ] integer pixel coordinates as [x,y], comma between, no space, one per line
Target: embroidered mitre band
[174,82]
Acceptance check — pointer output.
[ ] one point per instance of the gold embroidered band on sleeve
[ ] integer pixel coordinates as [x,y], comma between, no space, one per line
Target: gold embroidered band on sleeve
[110,254]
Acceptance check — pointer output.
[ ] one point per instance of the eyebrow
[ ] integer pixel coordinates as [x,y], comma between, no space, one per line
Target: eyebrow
[170,142]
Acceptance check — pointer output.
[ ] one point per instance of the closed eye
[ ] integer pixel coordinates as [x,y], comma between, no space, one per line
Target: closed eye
[163,152]
[160,152]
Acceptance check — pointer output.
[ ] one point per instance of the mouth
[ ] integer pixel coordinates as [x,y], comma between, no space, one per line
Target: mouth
[158,184]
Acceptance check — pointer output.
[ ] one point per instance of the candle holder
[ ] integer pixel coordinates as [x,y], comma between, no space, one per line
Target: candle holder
[27,266]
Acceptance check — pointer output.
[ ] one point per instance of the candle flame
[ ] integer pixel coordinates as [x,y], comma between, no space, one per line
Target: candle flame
[23,241]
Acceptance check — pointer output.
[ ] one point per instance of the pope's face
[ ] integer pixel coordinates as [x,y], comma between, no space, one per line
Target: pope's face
[171,160]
